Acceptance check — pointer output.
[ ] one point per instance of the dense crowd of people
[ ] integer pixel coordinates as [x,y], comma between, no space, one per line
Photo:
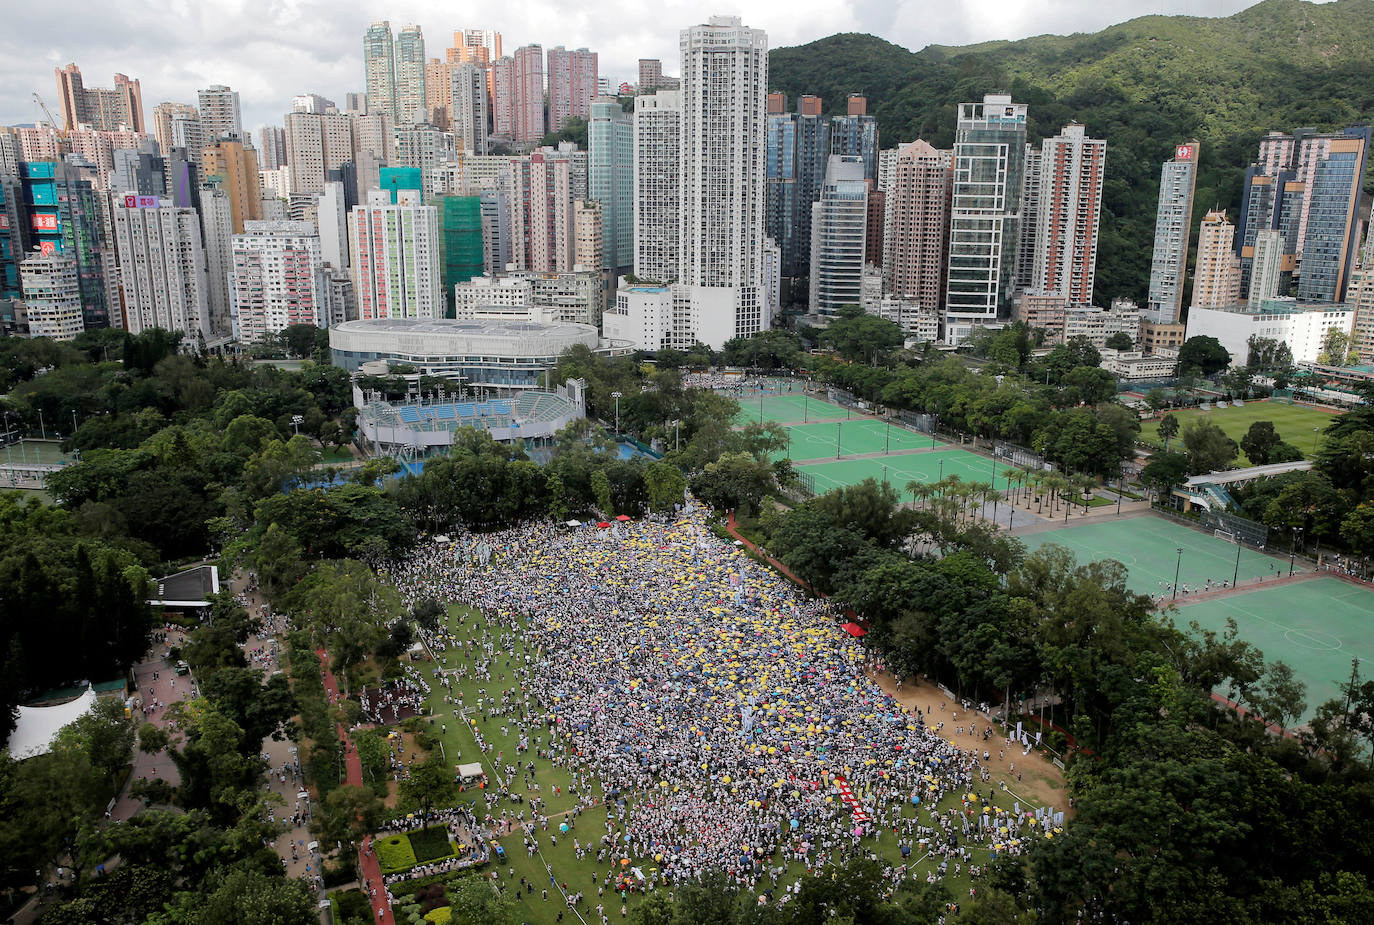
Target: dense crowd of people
[715,710]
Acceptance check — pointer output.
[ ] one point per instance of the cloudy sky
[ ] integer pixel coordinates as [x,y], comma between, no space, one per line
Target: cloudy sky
[270,50]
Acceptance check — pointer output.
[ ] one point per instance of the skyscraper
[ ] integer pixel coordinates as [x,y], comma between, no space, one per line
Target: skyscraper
[316,143]
[379,68]
[439,92]
[856,134]
[53,296]
[1216,279]
[657,192]
[989,155]
[410,75]
[527,109]
[468,109]
[720,227]
[1332,220]
[503,97]
[796,153]
[161,266]
[220,115]
[610,180]
[1072,168]
[1030,220]
[586,236]
[916,224]
[65,218]
[272,147]
[572,84]
[163,114]
[217,233]
[1173,226]
[839,225]
[105,110]
[650,74]
[396,256]
[276,279]
[234,169]
[1266,268]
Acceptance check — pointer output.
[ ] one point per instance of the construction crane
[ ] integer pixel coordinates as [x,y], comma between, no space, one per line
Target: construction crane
[61,132]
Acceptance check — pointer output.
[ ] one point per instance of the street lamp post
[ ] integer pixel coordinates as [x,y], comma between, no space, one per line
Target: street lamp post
[1293,550]
[616,396]
[1177,566]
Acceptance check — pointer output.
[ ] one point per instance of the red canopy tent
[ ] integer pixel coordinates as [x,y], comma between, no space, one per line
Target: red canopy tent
[604,524]
[622,517]
[854,630]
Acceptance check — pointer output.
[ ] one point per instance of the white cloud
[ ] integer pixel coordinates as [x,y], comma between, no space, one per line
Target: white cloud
[271,51]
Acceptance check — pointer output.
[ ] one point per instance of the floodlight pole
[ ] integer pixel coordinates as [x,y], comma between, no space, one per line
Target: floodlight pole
[1236,576]
[837,439]
[1177,566]
[616,396]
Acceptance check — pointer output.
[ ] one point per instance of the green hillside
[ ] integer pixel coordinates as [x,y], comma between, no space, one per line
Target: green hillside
[1143,85]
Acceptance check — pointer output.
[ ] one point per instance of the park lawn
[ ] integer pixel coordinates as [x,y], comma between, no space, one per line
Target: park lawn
[1294,423]
[579,874]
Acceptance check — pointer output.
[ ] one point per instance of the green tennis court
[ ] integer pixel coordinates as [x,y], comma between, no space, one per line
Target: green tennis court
[915,467]
[856,437]
[1315,626]
[788,408]
[1148,546]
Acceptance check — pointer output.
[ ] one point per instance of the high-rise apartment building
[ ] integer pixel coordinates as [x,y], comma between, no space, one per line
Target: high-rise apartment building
[106,110]
[468,107]
[220,114]
[52,294]
[855,134]
[611,180]
[217,234]
[396,256]
[1360,297]
[234,169]
[475,44]
[541,189]
[1030,220]
[1072,169]
[332,221]
[161,266]
[650,74]
[721,219]
[379,68]
[65,217]
[460,231]
[271,147]
[586,236]
[439,93]
[797,150]
[276,279]
[1331,219]
[916,224]
[572,85]
[527,105]
[503,98]
[189,135]
[1266,267]
[839,228]
[1173,226]
[316,143]
[163,114]
[657,192]
[989,155]
[410,75]
[1216,279]
[1269,202]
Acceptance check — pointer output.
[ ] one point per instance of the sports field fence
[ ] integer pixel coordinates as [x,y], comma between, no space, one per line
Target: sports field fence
[1230,527]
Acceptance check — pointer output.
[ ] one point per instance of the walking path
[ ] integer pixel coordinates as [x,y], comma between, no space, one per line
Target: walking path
[157,682]
[367,858]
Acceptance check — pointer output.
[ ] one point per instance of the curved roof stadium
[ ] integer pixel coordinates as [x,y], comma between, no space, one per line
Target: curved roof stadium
[446,337]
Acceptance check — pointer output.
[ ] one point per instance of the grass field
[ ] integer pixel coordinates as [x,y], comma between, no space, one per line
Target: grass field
[1294,423]
[1315,626]
[1148,547]
[856,437]
[35,451]
[459,745]
[913,467]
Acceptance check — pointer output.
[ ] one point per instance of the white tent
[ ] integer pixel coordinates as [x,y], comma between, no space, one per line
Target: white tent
[34,732]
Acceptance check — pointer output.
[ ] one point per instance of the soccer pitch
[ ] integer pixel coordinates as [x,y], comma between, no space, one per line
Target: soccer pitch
[1300,425]
[1149,548]
[911,467]
[855,438]
[786,408]
[1315,626]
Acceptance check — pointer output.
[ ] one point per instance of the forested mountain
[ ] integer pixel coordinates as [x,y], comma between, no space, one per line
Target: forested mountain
[1143,85]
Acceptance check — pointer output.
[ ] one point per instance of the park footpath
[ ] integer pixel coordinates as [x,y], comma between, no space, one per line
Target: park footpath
[373,883]
[157,683]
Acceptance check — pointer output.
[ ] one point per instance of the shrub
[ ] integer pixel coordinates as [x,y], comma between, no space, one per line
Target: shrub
[430,844]
[395,854]
[338,874]
[352,907]
[440,916]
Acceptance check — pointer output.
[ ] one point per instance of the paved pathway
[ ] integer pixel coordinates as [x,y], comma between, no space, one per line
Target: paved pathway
[157,681]
[367,858]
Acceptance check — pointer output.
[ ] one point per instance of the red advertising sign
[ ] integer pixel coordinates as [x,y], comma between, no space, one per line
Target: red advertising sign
[43,222]
[4,222]
[1183,153]
[140,202]
[47,248]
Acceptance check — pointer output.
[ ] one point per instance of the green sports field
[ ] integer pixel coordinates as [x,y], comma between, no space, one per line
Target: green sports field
[788,408]
[1315,626]
[911,467]
[1148,547]
[1294,423]
[856,437]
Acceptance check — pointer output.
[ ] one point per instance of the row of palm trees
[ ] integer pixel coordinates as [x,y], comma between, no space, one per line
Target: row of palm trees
[1055,488]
